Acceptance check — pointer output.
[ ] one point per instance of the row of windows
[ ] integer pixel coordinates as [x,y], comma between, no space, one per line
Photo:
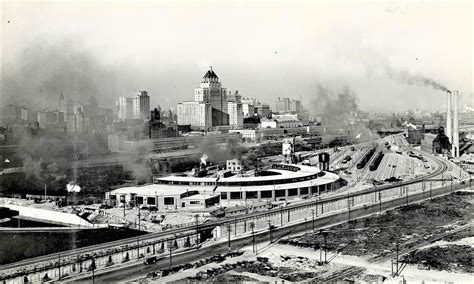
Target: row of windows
[266,193]
[244,183]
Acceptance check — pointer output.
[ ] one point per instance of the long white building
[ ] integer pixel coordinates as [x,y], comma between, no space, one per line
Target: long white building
[281,182]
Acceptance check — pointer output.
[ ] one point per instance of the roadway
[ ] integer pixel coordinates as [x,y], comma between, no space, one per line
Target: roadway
[51,257]
[139,270]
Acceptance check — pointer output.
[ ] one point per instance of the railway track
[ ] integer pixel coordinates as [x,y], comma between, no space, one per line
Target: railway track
[356,270]
[124,243]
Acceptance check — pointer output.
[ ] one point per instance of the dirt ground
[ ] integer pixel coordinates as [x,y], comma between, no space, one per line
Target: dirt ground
[409,226]
[447,258]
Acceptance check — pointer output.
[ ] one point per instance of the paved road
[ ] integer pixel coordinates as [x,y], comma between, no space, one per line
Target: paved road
[140,270]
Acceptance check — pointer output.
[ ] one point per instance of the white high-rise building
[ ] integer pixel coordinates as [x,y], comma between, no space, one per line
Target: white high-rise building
[211,92]
[125,108]
[196,114]
[236,117]
[141,105]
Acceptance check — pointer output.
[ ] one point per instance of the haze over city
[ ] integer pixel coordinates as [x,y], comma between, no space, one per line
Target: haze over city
[239,141]
[262,49]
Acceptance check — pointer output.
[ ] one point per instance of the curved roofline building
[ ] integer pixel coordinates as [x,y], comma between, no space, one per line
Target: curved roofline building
[281,182]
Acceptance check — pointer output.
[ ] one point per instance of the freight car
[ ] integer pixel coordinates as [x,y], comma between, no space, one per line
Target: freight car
[363,162]
[376,162]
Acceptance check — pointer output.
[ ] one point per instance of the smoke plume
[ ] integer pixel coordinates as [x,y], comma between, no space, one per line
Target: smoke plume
[405,77]
[221,152]
[45,70]
[339,112]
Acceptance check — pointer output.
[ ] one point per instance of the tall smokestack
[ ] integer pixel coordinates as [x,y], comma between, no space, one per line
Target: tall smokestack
[449,131]
[456,123]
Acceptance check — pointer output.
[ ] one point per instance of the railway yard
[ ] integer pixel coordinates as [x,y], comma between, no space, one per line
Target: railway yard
[435,236]
[385,180]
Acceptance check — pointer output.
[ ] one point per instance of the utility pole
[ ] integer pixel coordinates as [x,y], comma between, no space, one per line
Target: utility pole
[349,206]
[44,192]
[281,215]
[451,184]
[306,226]
[170,248]
[139,227]
[270,230]
[59,265]
[228,235]
[138,248]
[312,212]
[325,246]
[430,188]
[124,207]
[396,273]
[252,226]
[197,228]
[380,201]
[407,193]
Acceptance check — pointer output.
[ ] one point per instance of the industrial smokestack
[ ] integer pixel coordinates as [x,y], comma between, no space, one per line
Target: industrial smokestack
[449,131]
[456,124]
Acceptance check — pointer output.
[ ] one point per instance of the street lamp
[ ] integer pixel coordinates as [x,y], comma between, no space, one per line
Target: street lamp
[170,248]
[197,228]
[252,226]
[270,230]
[306,226]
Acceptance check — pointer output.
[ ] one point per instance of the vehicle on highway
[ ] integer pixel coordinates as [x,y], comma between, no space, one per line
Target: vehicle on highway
[151,260]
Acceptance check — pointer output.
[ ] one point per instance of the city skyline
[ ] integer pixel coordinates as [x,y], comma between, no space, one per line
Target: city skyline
[258,61]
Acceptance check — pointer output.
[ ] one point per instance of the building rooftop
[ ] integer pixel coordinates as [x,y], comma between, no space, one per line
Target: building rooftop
[210,74]
[158,189]
[280,174]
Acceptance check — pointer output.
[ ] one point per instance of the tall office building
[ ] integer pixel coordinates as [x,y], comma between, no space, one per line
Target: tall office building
[211,92]
[125,108]
[196,114]
[141,105]
[236,117]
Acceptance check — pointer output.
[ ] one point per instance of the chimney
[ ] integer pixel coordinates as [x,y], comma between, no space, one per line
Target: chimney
[448,118]
[456,124]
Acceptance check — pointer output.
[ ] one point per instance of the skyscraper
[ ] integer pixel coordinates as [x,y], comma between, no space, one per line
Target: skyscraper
[125,108]
[141,105]
[211,92]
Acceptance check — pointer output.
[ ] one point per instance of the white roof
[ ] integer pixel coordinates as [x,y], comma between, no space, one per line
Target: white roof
[158,189]
[282,174]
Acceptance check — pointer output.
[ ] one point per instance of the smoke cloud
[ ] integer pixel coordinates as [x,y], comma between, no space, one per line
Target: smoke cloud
[47,69]
[339,112]
[405,77]
[218,153]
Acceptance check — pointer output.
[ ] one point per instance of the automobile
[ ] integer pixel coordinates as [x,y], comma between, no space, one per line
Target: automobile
[105,206]
[151,260]
[154,274]
[153,208]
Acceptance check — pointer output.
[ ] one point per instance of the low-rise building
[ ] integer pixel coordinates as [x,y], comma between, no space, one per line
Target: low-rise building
[234,165]
[248,134]
[162,196]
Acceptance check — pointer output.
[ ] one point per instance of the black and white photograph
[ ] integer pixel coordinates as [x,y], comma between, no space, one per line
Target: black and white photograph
[237,141]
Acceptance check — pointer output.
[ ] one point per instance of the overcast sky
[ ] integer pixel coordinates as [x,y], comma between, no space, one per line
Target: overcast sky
[265,49]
